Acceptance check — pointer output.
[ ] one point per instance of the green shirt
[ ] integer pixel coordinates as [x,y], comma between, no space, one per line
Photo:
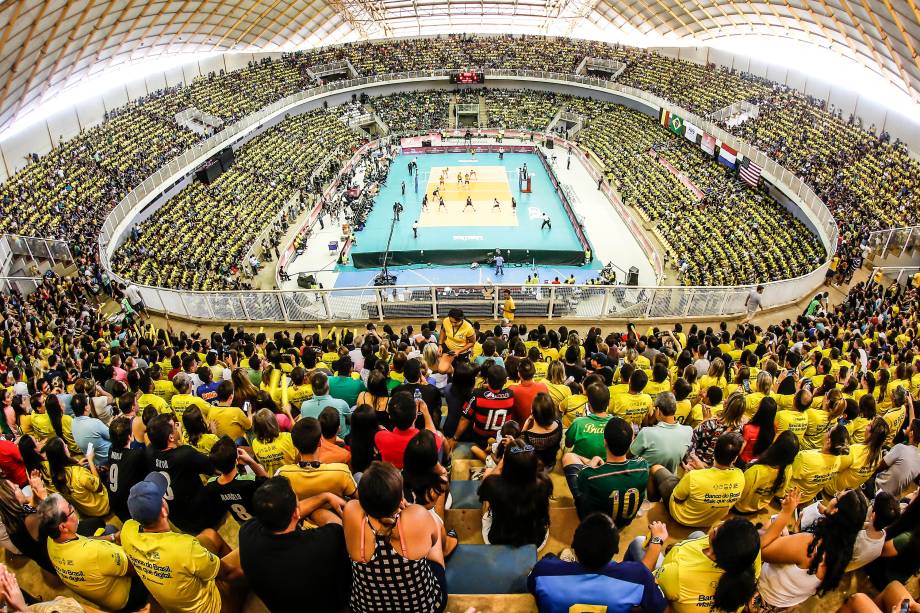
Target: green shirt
[346,388]
[586,436]
[614,488]
[663,444]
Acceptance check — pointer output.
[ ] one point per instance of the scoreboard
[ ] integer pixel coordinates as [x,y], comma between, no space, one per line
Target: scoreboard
[464,77]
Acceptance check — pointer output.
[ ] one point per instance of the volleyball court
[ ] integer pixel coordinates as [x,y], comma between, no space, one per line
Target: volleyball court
[467,196]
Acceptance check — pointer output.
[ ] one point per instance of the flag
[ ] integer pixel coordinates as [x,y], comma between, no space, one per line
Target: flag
[692,133]
[750,172]
[676,125]
[663,117]
[708,144]
[727,156]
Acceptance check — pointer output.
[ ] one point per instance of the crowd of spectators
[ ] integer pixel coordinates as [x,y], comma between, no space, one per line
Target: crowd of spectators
[200,238]
[201,456]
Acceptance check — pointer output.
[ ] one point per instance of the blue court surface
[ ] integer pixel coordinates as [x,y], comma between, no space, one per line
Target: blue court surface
[456,234]
[349,276]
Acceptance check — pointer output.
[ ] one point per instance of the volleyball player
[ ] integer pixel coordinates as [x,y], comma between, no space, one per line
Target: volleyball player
[469,204]
[496,204]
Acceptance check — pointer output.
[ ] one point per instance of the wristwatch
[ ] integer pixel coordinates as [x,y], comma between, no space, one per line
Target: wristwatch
[656,540]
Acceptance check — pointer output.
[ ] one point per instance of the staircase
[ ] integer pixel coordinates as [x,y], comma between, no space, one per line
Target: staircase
[483,112]
[452,113]
[198,121]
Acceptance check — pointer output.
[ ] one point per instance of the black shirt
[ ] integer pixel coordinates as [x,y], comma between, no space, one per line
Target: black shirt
[126,467]
[283,568]
[182,466]
[236,496]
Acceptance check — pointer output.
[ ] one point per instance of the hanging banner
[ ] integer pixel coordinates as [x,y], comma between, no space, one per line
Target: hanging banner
[708,144]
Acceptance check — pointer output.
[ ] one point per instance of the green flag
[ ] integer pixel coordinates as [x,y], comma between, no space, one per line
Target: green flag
[676,125]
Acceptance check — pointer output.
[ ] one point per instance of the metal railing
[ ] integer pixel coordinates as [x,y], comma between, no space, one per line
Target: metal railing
[34,248]
[648,302]
[895,241]
[732,110]
[899,274]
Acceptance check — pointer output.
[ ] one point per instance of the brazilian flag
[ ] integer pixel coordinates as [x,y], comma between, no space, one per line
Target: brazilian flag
[676,125]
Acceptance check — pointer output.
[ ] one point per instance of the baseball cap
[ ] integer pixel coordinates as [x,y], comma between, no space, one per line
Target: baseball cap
[600,358]
[146,498]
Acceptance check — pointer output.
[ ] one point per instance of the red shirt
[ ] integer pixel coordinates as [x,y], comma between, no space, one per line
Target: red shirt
[392,445]
[750,433]
[524,394]
[11,463]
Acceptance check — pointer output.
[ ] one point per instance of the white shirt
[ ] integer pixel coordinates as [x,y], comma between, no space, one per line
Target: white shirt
[133,294]
[866,549]
[903,468]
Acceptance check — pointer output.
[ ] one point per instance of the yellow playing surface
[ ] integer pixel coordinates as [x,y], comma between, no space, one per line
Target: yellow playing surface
[489,182]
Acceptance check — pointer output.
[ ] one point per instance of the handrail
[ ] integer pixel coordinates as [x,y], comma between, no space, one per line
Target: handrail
[777,292]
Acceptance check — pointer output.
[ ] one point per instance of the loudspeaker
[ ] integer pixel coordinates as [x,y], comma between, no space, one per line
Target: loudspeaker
[632,277]
[226,158]
[549,143]
[305,280]
[426,143]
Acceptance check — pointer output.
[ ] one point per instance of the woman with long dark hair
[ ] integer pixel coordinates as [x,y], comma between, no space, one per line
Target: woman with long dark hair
[767,476]
[79,484]
[760,431]
[863,459]
[797,566]
[49,420]
[377,395]
[426,483]
[197,431]
[516,499]
[271,447]
[360,441]
[397,562]
[17,514]
[457,394]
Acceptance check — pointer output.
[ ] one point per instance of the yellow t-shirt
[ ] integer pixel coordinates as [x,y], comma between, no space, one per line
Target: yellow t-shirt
[298,393]
[653,388]
[857,429]
[812,471]
[456,339]
[707,381]
[95,569]
[177,570]
[816,429]
[181,402]
[632,407]
[752,403]
[697,417]
[558,392]
[688,577]
[43,430]
[758,488]
[307,481]
[275,454]
[894,418]
[572,407]
[793,420]
[230,421]
[165,389]
[153,400]
[508,309]
[205,443]
[87,494]
[684,408]
[704,497]
[855,469]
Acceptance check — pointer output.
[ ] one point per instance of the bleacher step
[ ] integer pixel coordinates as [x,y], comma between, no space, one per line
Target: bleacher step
[492,603]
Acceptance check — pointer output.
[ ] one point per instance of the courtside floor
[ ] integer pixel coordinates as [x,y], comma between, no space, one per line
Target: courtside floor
[456,233]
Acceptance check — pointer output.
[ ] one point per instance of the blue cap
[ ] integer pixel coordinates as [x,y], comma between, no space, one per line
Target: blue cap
[146,498]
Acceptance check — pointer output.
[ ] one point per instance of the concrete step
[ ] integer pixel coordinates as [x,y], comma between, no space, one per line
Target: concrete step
[491,603]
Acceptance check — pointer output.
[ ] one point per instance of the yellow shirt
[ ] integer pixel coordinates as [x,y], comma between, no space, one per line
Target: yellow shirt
[683,411]
[177,570]
[653,388]
[558,392]
[181,402]
[707,381]
[44,430]
[457,339]
[857,429]
[94,569]
[298,393]
[758,488]
[230,421]
[508,309]
[697,417]
[816,429]
[632,407]
[752,403]
[307,481]
[855,469]
[87,494]
[812,471]
[275,454]
[152,400]
[165,389]
[894,418]
[572,407]
[205,443]
[688,577]
[704,497]
[793,420]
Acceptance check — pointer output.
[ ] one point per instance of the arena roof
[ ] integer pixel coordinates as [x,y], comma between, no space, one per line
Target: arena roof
[48,46]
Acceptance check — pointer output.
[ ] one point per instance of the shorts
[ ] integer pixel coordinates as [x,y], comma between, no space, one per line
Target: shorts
[665,482]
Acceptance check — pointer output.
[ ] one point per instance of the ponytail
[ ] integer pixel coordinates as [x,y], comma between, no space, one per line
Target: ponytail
[55,414]
[878,434]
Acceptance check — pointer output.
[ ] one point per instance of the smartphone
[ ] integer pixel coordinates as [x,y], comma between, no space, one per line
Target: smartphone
[246,406]
[90,448]
[905,606]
